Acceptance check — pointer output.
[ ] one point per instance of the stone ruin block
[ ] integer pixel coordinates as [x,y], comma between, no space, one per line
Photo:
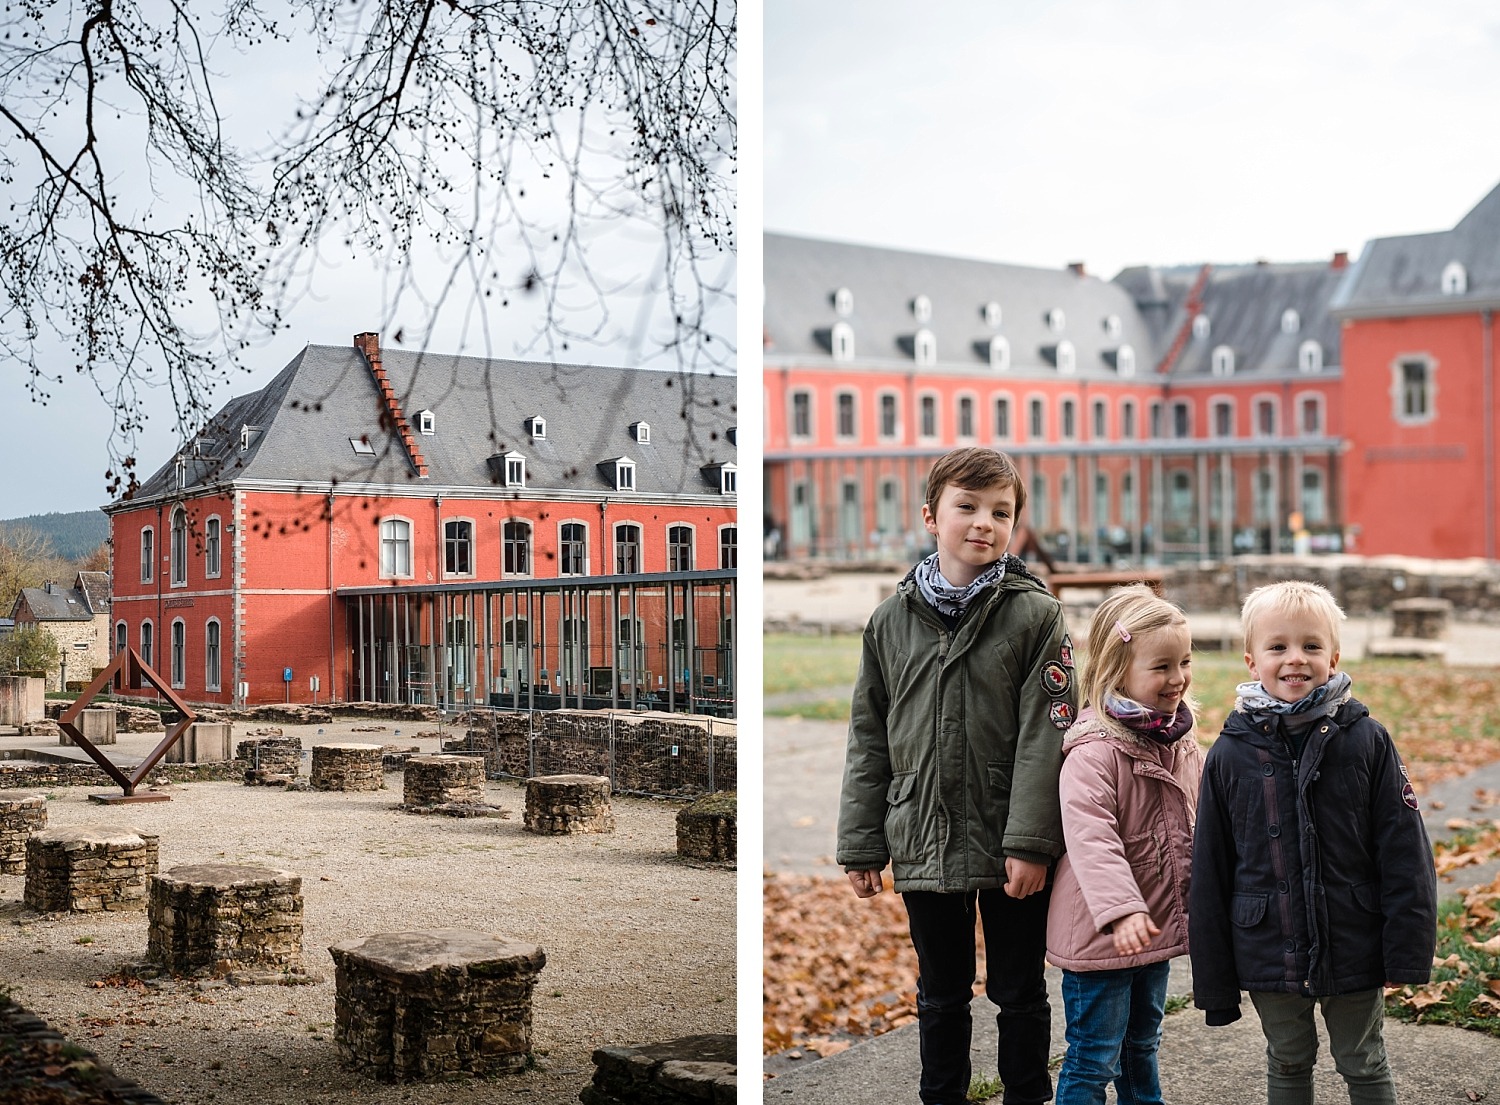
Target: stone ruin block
[21,814]
[205,742]
[347,767]
[452,785]
[85,870]
[691,1070]
[434,1005]
[272,760]
[706,829]
[97,726]
[216,919]
[1422,619]
[558,805]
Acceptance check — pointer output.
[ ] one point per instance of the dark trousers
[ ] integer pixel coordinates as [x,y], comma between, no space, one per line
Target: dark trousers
[1015,941]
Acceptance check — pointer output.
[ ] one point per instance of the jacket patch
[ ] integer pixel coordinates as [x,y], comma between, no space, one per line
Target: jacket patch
[1065,652]
[1062,714]
[1055,679]
[1409,796]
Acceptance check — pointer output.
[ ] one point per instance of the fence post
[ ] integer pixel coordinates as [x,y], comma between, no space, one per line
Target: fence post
[531,743]
[712,778]
[612,782]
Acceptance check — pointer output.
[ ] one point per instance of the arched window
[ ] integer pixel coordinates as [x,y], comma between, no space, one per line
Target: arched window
[515,539]
[458,547]
[1310,356]
[179,653]
[843,302]
[1125,361]
[999,353]
[395,548]
[573,549]
[1455,279]
[729,547]
[1067,359]
[924,347]
[1201,326]
[1291,322]
[843,342]
[680,548]
[627,549]
[1223,361]
[212,661]
[212,546]
[148,640]
[122,638]
[179,547]
[148,555]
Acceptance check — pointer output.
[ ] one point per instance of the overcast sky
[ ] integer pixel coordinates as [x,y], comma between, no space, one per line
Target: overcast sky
[1155,131]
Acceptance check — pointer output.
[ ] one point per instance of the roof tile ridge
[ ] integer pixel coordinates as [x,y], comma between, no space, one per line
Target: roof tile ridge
[391,403]
[1191,305]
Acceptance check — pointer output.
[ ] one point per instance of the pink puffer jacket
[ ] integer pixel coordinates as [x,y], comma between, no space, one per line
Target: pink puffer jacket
[1128,807]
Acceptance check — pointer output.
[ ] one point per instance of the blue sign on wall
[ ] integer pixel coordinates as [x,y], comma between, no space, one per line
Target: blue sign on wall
[286,675]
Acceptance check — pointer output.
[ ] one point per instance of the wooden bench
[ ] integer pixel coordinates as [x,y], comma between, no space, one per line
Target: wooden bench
[1060,581]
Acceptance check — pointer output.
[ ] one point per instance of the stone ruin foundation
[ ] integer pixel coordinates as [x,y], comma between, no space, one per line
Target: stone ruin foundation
[706,829]
[560,804]
[21,814]
[452,785]
[217,919]
[692,1070]
[434,1005]
[274,761]
[84,870]
[347,767]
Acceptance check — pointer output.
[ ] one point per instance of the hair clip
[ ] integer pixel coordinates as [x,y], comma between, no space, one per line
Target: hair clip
[1122,631]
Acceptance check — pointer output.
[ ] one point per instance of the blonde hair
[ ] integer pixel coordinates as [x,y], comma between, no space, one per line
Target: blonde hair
[1290,596]
[1135,610]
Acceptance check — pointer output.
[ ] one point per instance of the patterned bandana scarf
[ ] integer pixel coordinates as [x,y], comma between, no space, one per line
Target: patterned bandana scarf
[947,599]
[1156,725]
[1324,702]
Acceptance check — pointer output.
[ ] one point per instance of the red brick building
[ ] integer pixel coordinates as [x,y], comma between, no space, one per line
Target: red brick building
[1189,411]
[414,527]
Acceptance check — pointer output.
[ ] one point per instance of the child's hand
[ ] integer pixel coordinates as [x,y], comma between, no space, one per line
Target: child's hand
[866,883]
[1023,878]
[1133,933]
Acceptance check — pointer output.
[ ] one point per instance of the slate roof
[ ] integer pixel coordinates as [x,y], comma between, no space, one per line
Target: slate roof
[55,605]
[1244,305]
[802,275]
[302,422]
[1405,272]
[95,587]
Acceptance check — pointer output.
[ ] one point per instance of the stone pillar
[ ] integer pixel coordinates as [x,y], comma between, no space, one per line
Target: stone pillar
[97,726]
[560,804]
[205,742]
[272,760]
[23,700]
[706,829]
[1423,619]
[215,919]
[434,1005]
[347,767]
[432,781]
[82,870]
[21,814]
[691,1070]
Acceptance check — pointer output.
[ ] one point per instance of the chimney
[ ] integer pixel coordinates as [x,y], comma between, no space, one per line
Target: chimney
[369,344]
[1076,268]
[1340,260]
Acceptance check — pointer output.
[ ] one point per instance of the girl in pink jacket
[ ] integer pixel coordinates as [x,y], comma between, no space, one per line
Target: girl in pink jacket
[1129,792]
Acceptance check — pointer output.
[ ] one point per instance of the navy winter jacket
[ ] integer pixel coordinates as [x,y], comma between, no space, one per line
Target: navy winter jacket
[1310,876]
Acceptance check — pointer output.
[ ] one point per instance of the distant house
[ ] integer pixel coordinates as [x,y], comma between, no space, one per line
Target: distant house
[78,620]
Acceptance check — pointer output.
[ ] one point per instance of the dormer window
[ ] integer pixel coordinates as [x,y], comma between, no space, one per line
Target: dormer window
[921,309]
[1113,327]
[1067,359]
[515,470]
[536,426]
[999,353]
[1310,357]
[426,422]
[724,475]
[620,472]
[733,435]
[1222,361]
[1201,326]
[991,313]
[1455,279]
[1291,322]
[1056,320]
[842,342]
[843,302]
[1125,360]
[248,434]
[641,431]
[924,347]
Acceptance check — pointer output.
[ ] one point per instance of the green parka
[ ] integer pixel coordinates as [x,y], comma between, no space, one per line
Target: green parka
[955,737]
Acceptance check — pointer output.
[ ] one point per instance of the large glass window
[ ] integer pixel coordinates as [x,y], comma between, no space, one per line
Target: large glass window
[179,547]
[211,657]
[680,549]
[627,549]
[890,425]
[148,639]
[212,542]
[847,423]
[515,536]
[458,547]
[728,547]
[801,414]
[395,548]
[148,555]
[573,552]
[179,653]
[1414,396]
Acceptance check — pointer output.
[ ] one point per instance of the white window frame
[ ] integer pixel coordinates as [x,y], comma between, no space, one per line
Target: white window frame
[811,431]
[564,545]
[1113,327]
[1067,418]
[1399,392]
[1010,415]
[178,555]
[426,423]
[843,302]
[674,549]
[147,648]
[515,469]
[177,653]
[1057,320]
[1455,279]
[841,342]
[921,308]
[1291,321]
[1067,358]
[148,554]
[729,479]
[472,543]
[1099,419]
[536,426]
[924,347]
[731,531]
[213,547]
[991,314]
[640,547]
[840,397]
[121,639]
[1310,356]
[1036,403]
[923,399]
[1202,327]
[1130,424]
[1215,404]
[524,544]
[959,400]
[1000,353]
[1311,401]
[391,568]
[624,474]
[1257,404]
[880,411]
[641,432]
[1125,362]
[1221,360]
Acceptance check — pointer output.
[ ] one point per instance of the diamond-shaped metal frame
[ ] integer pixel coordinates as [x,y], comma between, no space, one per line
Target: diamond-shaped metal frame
[134,672]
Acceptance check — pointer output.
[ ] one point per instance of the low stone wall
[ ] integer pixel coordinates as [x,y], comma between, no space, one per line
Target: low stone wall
[38,1054]
[434,1005]
[640,753]
[38,775]
[706,829]
[216,919]
[692,1070]
[83,871]
[128,718]
[21,814]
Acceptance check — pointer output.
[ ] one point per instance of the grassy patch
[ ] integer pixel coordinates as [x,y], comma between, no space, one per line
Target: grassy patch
[1465,986]
[982,1087]
[808,663]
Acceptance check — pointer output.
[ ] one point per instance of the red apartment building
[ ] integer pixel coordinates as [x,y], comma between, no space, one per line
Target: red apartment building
[414,527]
[1191,411]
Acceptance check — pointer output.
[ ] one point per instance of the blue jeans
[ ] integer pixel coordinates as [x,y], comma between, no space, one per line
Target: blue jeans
[1114,1030]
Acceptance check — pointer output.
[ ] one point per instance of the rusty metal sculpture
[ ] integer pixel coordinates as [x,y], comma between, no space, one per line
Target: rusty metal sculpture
[127,669]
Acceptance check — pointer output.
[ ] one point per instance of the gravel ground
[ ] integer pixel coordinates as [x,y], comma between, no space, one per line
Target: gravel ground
[640,945]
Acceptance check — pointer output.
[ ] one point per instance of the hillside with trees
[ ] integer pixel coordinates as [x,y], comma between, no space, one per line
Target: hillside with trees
[72,536]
